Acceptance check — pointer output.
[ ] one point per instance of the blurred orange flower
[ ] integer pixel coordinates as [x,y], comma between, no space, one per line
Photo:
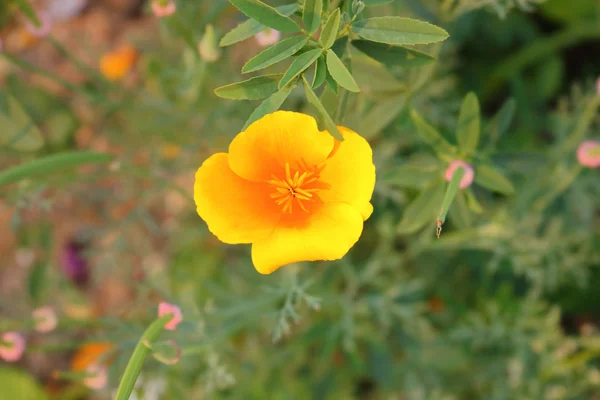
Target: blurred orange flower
[289,189]
[116,64]
[90,354]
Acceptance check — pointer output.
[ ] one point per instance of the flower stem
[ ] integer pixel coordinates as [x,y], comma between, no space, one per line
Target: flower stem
[141,351]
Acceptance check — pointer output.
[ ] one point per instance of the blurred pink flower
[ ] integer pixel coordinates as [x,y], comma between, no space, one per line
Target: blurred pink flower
[468,175]
[588,154]
[166,308]
[163,9]
[45,319]
[97,377]
[45,25]
[73,262]
[12,346]
[267,37]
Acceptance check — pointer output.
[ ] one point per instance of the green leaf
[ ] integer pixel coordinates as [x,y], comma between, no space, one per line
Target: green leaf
[472,201]
[398,31]
[320,73]
[18,131]
[430,135]
[423,209]
[492,179]
[29,12]
[380,116]
[36,281]
[269,105]
[411,176]
[312,15]
[333,85]
[327,120]
[276,53]
[370,3]
[299,65]
[469,124]
[460,214]
[451,191]
[266,15]
[340,73]
[251,27]
[19,385]
[393,56]
[50,164]
[330,30]
[255,88]
[502,120]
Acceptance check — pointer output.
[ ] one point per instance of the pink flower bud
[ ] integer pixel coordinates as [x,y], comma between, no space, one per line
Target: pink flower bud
[12,346]
[468,175]
[45,25]
[267,37]
[163,9]
[97,377]
[588,154]
[166,308]
[45,319]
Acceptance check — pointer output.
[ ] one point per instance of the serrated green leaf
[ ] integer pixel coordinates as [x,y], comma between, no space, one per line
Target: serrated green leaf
[330,30]
[469,125]
[320,73]
[299,65]
[430,135]
[423,209]
[492,179]
[398,31]
[311,15]
[393,56]
[327,120]
[50,164]
[340,73]
[18,130]
[251,27]
[266,15]
[255,88]
[276,53]
[269,105]
[502,120]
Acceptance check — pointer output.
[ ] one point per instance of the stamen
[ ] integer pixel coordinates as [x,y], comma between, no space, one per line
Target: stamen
[296,187]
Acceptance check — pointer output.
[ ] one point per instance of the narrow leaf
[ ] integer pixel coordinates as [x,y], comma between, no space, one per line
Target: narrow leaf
[451,191]
[299,65]
[266,15]
[492,179]
[430,135]
[276,53]
[330,30]
[251,27]
[423,209]
[50,164]
[460,214]
[472,201]
[311,15]
[398,31]
[18,130]
[502,120]
[333,85]
[29,12]
[393,56]
[269,105]
[320,73]
[411,176]
[469,124]
[340,73]
[327,120]
[255,88]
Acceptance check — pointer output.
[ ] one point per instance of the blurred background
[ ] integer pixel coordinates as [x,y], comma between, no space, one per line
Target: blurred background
[505,305]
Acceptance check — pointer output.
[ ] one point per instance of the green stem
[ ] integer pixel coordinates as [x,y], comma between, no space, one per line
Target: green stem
[141,351]
[539,49]
[449,198]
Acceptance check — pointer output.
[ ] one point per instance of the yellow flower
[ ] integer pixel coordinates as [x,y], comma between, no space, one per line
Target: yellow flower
[292,191]
[115,65]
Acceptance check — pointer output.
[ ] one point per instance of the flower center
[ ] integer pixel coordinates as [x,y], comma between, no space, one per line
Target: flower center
[299,188]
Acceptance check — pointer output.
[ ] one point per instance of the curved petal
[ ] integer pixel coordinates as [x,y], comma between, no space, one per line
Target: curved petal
[327,234]
[235,210]
[282,137]
[351,173]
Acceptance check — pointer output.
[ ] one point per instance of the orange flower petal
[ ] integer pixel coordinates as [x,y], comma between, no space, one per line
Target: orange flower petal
[351,173]
[328,234]
[236,210]
[284,136]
